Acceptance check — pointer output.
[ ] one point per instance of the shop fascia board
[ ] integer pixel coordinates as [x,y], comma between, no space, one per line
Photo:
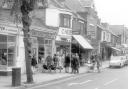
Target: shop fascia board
[43,29]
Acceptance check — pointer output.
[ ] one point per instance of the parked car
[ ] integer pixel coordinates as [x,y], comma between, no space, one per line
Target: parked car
[126,60]
[117,61]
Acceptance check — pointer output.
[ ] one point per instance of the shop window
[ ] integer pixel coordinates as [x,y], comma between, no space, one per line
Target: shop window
[3,38]
[45,48]
[48,42]
[11,55]
[7,50]
[40,53]
[3,55]
[64,39]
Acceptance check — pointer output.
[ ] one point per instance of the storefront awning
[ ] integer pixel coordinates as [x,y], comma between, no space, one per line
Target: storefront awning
[83,42]
[116,49]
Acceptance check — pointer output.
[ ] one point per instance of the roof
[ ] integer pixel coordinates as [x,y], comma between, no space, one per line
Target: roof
[57,4]
[36,22]
[75,5]
[86,3]
[117,29]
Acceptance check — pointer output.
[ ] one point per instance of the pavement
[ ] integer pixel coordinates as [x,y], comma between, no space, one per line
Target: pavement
[110,78]
[42,78]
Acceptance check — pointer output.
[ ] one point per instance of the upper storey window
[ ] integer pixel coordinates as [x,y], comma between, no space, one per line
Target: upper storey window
[65,20]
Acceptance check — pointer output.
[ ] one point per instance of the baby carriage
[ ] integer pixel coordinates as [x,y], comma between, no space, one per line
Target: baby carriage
[49,68]
[90,67]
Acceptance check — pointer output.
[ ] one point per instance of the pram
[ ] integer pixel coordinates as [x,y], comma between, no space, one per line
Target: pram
[51,67]
[90,67]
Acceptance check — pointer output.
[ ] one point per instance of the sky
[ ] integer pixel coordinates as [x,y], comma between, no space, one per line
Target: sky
[114,12]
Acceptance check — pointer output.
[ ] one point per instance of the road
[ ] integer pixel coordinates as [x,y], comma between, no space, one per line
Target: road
[115,78]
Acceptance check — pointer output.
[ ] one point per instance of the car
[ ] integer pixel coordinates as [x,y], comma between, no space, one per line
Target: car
[126,60]
[117,61]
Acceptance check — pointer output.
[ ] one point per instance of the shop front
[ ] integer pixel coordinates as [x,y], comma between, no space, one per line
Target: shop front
[42,44]
[81,46]
[8,48]
[106,50]
[63,41]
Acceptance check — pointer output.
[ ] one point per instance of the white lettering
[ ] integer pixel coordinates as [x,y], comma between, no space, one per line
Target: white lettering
[65,31]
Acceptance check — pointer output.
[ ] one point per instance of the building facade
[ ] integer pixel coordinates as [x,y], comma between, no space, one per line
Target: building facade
[60,17]
[12,52]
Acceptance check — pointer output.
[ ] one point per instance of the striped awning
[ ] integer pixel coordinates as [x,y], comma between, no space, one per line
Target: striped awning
[83,42]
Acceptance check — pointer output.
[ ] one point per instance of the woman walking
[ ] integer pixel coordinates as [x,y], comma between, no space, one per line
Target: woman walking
[34,64]
[67,63]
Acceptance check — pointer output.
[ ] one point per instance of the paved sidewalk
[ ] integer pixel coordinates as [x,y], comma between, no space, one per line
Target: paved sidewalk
[40,78]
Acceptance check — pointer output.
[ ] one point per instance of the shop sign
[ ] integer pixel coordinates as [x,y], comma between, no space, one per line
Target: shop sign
[65,32]
[42,34]
[4,29]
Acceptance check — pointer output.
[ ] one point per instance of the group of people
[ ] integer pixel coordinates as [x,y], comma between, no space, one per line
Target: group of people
[60,61]
[73,62]
[64,61]
[96,61]
[54,63]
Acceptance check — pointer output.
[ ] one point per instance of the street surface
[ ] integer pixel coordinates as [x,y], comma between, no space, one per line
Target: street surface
[114,78]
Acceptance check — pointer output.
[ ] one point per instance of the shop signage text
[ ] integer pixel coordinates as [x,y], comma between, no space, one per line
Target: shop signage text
[4,29]
[42,34]
[65,32]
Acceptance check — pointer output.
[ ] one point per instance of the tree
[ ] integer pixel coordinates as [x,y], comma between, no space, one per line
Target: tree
[25,7]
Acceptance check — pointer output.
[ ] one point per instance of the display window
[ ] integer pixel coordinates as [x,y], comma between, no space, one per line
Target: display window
[7,50]
[44,48]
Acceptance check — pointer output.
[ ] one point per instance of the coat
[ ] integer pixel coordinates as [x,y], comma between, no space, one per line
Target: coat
[34,61]
[48,61]
[67,61]
[56,61]
[75,63]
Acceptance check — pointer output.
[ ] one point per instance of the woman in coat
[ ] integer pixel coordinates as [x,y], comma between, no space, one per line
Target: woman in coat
[67,63]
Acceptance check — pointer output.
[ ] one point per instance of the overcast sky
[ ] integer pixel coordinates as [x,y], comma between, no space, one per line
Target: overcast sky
[113,11]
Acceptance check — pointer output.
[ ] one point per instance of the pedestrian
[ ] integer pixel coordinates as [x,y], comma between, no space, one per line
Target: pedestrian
[97,60]
[92,58]
[60,60]
[72,63]
[77,63]
[55,60]
[67,63]
[34,64]
[48,62]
